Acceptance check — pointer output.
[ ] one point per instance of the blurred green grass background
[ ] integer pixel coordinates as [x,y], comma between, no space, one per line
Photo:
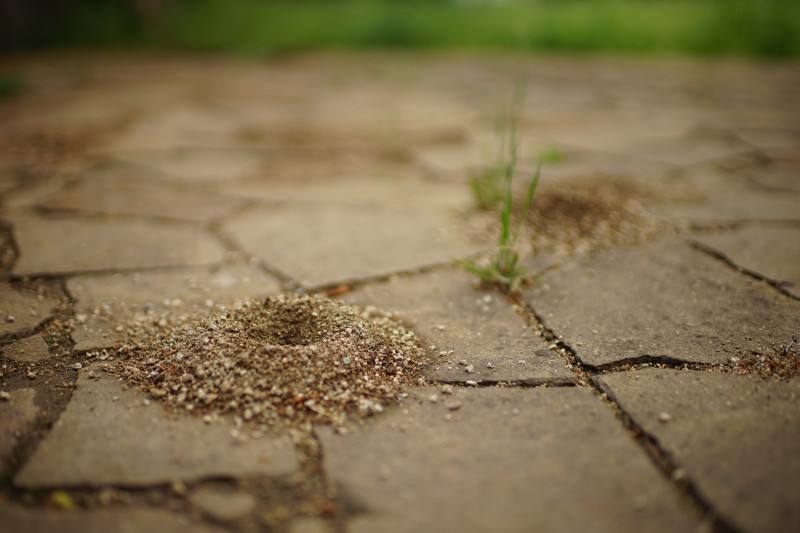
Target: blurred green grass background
[761,28]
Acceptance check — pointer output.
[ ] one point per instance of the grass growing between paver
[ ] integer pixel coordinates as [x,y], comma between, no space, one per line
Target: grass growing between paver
[750,27]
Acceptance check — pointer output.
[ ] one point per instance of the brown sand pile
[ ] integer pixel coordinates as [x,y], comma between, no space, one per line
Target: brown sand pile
[295,359]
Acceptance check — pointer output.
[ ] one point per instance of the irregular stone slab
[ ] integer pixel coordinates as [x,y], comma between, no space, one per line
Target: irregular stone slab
[117,188]
[736,437]
[507,460]
[309,525]
[694,147]
[121,520]
[105,302]
[325,243]
[97,333]
[108,436]
[770,251]
[730,196]
[91,244]
[28,350]
[181,289]
[460,323]
[664,299]
[176,124]
[224,506]
[380,187]
[21,312]
[17,414]
[196,165]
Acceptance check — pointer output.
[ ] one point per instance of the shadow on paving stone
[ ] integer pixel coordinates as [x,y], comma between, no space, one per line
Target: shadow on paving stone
[662,300]
[736,437]
[474,335]
[111,436]
[501,460]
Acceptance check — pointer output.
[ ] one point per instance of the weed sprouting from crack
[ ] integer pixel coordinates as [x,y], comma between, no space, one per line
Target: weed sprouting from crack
[503,267]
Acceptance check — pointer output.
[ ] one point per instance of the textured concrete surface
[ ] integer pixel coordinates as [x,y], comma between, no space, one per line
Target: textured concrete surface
[99,440]
[416,470]
[661,300]
[736,437]
[474,335]
[150,188]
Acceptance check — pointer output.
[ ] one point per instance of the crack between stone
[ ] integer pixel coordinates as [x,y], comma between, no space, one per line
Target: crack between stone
[513,383]
[336,288]
[660,458]
[778,285]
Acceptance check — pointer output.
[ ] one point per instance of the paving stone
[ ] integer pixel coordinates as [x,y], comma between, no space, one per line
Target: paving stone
[184,288]
[98,333]
[108,436]
[395,186]
[224,506]
[28,350]
[768,138]
[122,520]
[20,312]
[736,437]
[117,188]
[325,243]
[577,164]
[479,327]
[176,124]
[196,165]
[507,460]
[780,174]
[664,299]
[694,147]
[309,525]
[58,245]
[730,196]
[105,302]
[17,415]
[769,251]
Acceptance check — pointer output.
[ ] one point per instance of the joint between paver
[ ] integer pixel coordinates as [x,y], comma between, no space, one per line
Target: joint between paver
[778,285]
[510,383]
[662,460]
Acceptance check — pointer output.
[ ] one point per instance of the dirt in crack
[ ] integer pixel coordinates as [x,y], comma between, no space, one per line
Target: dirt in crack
[291,360]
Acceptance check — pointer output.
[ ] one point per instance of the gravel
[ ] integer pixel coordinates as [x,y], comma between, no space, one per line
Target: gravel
[291,360]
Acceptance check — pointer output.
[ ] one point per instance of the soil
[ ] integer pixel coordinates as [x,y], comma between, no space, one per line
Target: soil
[292,360]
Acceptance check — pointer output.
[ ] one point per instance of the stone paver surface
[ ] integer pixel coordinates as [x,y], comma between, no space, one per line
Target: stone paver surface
[61,245]
[108,436]
[736,437]
[473,335]
[17,518]
[21,312]
[154,188]
[416,470]
[661,300]
[28,350]
[17,413]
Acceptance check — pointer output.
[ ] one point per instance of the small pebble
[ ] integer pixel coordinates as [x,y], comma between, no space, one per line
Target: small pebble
[77,366]
[447,389]
[664,417]
[469,369]
[454,406]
